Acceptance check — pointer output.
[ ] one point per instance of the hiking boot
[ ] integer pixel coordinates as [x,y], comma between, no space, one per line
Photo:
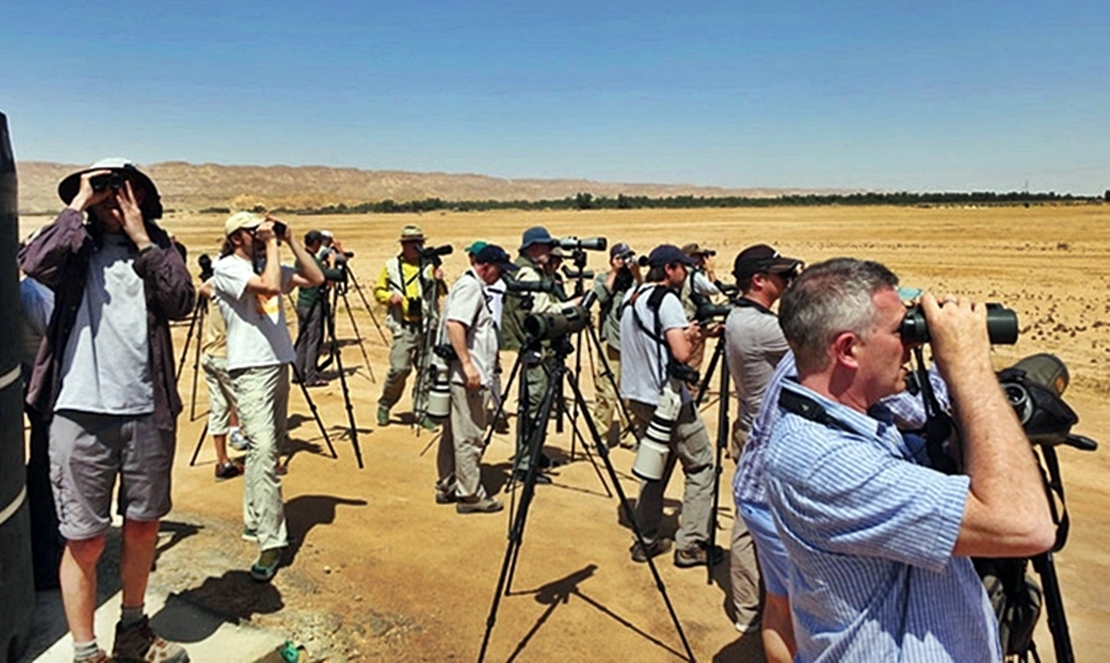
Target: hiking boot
[264,569]
[383,415]
[446,498]
[228,470]
[501,425]
[642,553]
[250,534]
[137,643]
[697,555]
[487,505]
[427,423]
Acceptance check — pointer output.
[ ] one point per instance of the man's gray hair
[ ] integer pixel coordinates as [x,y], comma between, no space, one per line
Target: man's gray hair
[829,298]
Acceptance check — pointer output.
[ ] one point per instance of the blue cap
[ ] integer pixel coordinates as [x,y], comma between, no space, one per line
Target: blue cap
[492,254]
[668,254]
[536,235]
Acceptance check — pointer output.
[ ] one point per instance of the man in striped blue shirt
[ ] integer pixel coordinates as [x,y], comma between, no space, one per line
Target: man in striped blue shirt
[880,545]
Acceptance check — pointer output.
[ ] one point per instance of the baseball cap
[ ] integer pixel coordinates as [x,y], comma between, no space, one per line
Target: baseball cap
[313,236]
[241,221]
[619,249]
[668,254]
[492,254]
[762,258]
[536,235]
[476,246]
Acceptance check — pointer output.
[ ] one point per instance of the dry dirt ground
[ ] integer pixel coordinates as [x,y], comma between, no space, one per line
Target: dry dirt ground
[378,571]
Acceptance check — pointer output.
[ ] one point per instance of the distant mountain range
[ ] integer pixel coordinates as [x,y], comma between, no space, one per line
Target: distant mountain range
[194,187]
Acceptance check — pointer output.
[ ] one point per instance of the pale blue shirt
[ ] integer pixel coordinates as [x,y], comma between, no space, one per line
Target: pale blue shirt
[870,535]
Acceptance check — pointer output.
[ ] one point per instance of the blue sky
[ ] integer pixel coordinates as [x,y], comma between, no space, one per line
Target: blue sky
[892,95]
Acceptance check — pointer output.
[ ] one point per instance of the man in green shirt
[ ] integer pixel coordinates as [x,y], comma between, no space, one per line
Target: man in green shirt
[312,306]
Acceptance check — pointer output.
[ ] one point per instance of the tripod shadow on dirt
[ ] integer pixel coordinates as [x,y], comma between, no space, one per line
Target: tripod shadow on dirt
[304,512]
[232,597]
[559,592]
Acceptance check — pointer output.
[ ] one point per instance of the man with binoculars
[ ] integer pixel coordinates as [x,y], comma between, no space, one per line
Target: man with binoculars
[879,542]
[400,287]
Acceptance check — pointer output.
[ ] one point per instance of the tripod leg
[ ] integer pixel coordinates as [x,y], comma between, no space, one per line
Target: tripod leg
[358,337]
[196,364]
[200,443]
[501,402]
[312,407]
[519,520]
[1054,602]
[722,442]
[369,309]
[704,386]
[188,339]
[603,451]
[338,354]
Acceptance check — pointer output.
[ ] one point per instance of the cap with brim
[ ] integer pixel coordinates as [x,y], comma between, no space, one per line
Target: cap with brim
[242,221]
[619,249]
[68,187]
[412,233]
[760,259]
[326,234]
[492,254]
[668,254]
[476,246]
[535,235]
[695,249]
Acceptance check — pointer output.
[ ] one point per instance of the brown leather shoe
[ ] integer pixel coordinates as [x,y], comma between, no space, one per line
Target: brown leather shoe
[137,643]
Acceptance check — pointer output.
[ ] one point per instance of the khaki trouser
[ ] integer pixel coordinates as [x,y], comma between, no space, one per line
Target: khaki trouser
[462,444]
[745,588]
[262,400]
[607,412]
[690,445]
[406,344]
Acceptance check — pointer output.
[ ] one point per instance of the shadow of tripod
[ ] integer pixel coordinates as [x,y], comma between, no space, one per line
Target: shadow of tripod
[562,348]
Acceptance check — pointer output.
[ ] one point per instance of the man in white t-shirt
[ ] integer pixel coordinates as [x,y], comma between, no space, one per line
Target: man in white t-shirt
[469,327]
[259,352]
[654,334]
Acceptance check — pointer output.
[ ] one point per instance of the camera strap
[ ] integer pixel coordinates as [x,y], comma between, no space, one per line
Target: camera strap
[655,299]
[807,408]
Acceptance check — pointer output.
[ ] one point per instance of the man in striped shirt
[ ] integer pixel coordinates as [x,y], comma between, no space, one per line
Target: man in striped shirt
[879,544]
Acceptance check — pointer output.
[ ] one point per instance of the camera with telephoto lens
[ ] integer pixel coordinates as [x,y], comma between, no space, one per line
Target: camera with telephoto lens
[554,325]
[433,254]
[1002,325]
[446,351]
[683,373]
[591,244]
[543,285]
[206,270]
[113,181]
[651,456]
[706,311]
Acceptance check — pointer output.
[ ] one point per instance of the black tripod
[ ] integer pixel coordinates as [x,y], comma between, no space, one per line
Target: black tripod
[429,329]
[337,355]
[722,436]
[196,323]
[349,277]
[339,291]
[537,434]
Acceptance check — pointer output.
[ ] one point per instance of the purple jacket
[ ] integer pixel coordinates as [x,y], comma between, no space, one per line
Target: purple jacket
[59,258]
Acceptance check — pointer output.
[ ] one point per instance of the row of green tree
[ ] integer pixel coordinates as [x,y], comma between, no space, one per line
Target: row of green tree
[587,201]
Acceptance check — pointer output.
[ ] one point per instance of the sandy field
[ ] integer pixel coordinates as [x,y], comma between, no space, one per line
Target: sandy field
[378,571]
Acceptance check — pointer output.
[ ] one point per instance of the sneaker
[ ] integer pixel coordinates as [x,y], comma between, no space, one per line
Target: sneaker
[427,423]
[228,470]
[264,569]
[237,440]
[250,534]
[697,555]
[641,554]
[100,657]
[446,498]
[383,415]
[137,643]
[488,505]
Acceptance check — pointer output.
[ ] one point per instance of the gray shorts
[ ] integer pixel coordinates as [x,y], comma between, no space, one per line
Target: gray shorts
[88,451]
